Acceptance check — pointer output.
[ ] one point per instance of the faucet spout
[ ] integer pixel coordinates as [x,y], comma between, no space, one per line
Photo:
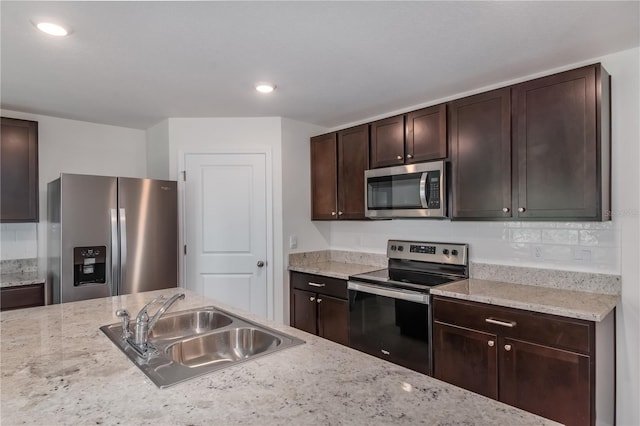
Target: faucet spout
[144,326]
[163,309]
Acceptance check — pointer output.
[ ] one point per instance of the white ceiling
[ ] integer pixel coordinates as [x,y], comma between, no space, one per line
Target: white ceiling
[134,64]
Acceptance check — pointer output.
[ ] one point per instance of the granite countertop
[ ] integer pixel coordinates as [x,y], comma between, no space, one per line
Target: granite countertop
[20,278]
[59,368]
[567,303]
[334,269]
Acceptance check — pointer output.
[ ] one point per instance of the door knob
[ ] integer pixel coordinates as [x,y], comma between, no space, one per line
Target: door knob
[505,209]
[260,263]
[521,209]
[399,157]
[409,156]
[507,347]
[491,343]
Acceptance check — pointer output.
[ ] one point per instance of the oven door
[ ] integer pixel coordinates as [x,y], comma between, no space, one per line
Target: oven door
[391,324]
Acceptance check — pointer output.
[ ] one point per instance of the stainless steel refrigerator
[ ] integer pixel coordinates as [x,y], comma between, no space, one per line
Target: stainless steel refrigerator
[110,236]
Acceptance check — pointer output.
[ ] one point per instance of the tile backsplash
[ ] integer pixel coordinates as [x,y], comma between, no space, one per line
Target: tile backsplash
[18,241]
[578,246]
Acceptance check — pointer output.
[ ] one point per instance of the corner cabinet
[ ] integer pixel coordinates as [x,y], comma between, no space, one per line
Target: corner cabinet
[544,364]
[19,171]
[415,137]
[537,150]
[319,305]
[338,162]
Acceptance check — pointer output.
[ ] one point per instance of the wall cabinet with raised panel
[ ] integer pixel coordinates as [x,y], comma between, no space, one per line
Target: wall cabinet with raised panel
[19,171]
[544,364]
[414,137]
[319,305]
[338,162]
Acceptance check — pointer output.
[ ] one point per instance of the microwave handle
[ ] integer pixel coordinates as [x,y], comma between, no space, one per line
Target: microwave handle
[423,190]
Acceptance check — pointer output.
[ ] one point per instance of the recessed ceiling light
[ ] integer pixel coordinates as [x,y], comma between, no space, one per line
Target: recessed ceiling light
[265,87]
[52,29]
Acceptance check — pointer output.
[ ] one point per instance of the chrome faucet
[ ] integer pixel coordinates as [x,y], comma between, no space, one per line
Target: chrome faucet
[140,341]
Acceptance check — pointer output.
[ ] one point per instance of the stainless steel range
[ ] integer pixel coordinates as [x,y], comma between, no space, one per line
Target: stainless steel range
[389,309]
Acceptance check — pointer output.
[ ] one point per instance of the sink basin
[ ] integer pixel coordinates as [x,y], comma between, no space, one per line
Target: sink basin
[223,346]
[199,341]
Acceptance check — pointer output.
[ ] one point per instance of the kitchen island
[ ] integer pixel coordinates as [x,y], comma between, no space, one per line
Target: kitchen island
[59,368]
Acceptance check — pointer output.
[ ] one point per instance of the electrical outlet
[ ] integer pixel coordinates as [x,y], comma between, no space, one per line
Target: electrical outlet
[537,252]
[293,241]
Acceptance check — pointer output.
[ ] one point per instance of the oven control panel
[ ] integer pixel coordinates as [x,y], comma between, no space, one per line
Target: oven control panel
[452,253]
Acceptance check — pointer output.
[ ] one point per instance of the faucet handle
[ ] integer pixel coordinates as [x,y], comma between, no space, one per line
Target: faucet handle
[122,313]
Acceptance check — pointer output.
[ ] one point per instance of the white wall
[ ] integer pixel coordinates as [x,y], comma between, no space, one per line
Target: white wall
[158,151]
[610,247]
[296,182]
[211,134]
[70,146]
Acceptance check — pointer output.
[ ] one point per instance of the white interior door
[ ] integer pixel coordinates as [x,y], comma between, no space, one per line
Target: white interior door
[226,228]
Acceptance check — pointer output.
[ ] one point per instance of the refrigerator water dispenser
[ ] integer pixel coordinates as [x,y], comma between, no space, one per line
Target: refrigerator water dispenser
[89,265]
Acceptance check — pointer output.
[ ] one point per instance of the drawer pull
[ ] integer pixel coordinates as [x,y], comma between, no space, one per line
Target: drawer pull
[385,352]
[316,284]
[491,343]
[509,324]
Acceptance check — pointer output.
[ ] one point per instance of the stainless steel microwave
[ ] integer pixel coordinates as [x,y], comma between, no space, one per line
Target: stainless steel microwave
[414,190]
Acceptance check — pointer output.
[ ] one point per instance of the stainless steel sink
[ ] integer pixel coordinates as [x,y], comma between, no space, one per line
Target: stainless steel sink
[198,341]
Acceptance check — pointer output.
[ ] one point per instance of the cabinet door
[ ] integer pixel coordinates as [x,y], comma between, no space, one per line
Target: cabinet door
[466,358]
[333,319]
[21,297]
[480,141]
[387,142]
[426,134]
[549,382]
[324,177]
[353,157]
[304,311]
[19,171]
[556,138]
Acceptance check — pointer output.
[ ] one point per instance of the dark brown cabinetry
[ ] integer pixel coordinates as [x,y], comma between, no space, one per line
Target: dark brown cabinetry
[410,138]
[536,150]
[319,306]
[537,362]
[19,171]
[338,162]
[25,296]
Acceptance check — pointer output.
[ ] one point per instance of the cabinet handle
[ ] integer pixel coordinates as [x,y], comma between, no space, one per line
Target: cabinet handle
[316,284]
[385,352]
[521,209]
[409,156]
[312,299]
[319,300]
[399,157]
[509,324]
[491,343]
[333,213]
[340,213]
[507,348]
[505,209]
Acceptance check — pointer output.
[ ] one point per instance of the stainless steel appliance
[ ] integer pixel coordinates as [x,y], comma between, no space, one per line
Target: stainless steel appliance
[414,190]
[110,236]
[389,309]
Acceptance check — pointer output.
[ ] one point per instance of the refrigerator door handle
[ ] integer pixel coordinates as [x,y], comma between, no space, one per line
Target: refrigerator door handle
[123,250]
[113,288]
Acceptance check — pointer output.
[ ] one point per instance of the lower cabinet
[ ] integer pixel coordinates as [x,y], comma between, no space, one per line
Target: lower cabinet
[540,363]
[26,296]
[319,306]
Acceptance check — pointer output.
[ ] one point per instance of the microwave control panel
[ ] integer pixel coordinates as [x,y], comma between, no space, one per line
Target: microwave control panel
[434,190]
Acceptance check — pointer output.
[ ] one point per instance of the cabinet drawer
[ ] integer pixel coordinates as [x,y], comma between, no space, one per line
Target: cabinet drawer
[22,297]
[550,330]
[319,284]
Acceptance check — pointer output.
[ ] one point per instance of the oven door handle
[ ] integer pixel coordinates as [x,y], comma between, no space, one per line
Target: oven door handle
[409,296]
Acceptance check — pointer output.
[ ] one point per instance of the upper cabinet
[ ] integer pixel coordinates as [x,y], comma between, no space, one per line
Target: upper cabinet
[410,138]
[537,150]
[19,171]
[338,162]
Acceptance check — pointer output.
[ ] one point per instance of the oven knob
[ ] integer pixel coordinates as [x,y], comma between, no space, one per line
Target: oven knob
[454,252]
[400,248]
[393,248]
[445,251]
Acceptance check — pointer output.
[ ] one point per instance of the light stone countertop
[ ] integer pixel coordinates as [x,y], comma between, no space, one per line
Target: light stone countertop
[59,368]
[567,303]
[20,279]
[334,269]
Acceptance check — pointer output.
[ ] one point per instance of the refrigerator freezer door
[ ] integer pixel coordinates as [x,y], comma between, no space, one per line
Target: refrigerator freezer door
[86,203]
[148,234]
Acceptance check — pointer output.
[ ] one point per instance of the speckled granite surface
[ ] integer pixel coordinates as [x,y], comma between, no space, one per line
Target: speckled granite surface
[568,303]
[566,280]
[58,368]
[18,272]
[336,263]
